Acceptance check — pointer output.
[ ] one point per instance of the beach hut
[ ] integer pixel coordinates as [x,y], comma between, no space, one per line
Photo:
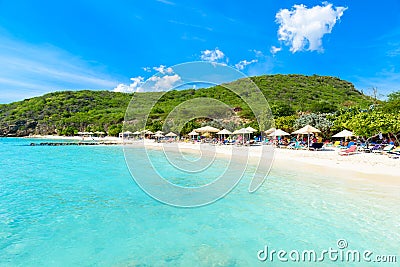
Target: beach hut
[307,130]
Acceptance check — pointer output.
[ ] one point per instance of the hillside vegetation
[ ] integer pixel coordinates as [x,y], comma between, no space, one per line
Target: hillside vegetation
[68,112]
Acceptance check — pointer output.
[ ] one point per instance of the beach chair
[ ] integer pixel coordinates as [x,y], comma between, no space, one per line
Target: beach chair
[381,149]
[336,144]
[351,150]
[395,153]
[376,147]
[387,149]
[291,145]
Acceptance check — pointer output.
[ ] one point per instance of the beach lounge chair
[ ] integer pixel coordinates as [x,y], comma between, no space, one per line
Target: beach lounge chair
[349,151]
[384,149]
[387,149]
[376,147]
[337,143]
[395,153]
[296,146]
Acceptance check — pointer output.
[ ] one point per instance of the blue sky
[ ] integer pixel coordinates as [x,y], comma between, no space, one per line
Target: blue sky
[49,46]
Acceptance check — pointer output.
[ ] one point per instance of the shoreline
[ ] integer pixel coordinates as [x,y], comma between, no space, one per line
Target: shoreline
[361,163]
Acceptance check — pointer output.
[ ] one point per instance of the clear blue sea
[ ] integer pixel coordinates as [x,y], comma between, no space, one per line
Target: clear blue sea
[79,206]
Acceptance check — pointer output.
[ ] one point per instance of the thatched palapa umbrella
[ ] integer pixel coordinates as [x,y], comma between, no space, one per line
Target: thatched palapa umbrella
[224,132]
[307,130]
[193,134]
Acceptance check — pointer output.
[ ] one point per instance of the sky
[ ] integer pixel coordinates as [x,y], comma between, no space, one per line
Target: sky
[48,46]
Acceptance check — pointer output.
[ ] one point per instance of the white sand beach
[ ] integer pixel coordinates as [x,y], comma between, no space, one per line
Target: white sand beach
[362,163]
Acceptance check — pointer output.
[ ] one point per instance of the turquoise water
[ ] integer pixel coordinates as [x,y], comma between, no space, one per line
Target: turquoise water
[64,206]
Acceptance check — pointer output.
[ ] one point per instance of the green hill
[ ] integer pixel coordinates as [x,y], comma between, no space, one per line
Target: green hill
[68,112]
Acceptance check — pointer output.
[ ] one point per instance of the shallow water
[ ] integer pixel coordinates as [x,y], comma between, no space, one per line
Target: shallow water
[71,205]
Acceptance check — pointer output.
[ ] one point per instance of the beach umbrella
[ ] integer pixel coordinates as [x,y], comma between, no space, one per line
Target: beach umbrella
[207,134]
[149,132]
[171,134]
[307,130]
[159,132]
[193,134]
[278,132]
[270,130]
[224,132]
[158,135]
[251,129]
[243,131]
[207,129]
[344,133]
[136,133]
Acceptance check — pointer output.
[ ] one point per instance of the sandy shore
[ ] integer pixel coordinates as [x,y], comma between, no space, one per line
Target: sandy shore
[364,163]
[328,160]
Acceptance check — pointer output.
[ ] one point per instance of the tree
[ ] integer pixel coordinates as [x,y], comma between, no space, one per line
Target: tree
[286,123]
[319,121]
[114,130]
[323,106]
[281,109]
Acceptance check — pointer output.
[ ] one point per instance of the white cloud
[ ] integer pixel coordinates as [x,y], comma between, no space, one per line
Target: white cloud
[163,69]
[146,69]
[275,49]
[258,53]
[302,28]
[164,83]
[135,86]
[156,83]
[243,63]
[212,55]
